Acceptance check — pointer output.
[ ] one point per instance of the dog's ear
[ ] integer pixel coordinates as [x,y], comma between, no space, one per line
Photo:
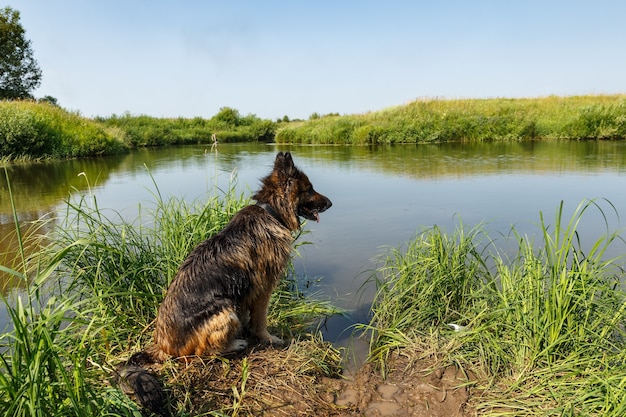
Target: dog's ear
[284,164]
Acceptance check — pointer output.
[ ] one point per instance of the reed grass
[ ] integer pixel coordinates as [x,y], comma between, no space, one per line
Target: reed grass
[92,295]
[543,329]
[126,265]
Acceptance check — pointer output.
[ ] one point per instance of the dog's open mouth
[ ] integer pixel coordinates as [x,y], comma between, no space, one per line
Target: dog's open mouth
[309,214]
[312,211]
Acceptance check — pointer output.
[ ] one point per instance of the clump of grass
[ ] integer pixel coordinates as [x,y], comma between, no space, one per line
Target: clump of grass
[432,282]
[44,364]
[558,298]
[544,328]
[125,266]
[560,321]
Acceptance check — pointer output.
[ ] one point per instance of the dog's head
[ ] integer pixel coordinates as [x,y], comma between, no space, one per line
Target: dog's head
[290,193]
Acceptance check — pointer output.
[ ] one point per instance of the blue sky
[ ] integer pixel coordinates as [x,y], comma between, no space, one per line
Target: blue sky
[269,58]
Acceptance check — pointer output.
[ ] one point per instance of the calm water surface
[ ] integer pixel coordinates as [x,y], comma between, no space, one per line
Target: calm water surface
[382,196]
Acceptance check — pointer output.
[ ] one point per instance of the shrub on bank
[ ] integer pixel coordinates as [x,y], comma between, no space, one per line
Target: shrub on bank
[41,130]
[599,122]
[227,126]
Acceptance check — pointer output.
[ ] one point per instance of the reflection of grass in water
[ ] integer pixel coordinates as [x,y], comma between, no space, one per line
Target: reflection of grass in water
[544,329]
[12,253]
[92,295]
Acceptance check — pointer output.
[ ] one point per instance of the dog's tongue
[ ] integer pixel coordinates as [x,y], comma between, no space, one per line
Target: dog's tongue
[317,216]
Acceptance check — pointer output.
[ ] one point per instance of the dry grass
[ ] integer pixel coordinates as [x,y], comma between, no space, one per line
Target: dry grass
[271,382]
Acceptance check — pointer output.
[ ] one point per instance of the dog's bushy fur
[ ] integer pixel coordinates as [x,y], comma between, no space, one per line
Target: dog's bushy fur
[228,279]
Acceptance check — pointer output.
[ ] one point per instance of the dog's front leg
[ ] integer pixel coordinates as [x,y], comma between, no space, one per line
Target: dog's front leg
[258,321]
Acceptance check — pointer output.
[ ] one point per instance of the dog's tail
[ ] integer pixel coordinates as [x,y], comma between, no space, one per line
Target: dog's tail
[136,381]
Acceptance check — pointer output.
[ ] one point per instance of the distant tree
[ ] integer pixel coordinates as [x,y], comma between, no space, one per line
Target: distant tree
[19,72]
[229,116]
[314,116]
[49,99]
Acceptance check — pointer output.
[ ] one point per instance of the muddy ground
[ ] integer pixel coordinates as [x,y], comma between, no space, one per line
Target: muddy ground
[291,382]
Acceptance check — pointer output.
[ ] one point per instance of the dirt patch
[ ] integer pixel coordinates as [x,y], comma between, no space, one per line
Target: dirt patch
[406,391]
[298,381]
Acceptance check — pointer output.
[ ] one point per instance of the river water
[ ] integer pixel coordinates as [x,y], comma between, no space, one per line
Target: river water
[382,196]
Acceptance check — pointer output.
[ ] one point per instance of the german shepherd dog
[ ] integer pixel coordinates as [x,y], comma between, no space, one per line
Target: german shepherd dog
[230,277]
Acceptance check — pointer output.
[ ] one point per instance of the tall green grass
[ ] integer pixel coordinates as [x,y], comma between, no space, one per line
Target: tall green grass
[126,266]
[45,354]
[92,294]
[544,329]
[45,364]
[433,281]
[470,120]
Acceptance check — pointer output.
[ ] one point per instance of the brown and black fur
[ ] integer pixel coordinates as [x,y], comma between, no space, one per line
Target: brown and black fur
[231,276]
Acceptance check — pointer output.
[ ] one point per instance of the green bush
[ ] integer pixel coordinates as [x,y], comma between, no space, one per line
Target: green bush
[41,130]
[600,122]
[228,126]
[21,133]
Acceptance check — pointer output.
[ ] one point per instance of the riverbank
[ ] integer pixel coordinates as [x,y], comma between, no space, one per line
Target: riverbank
[542,329]
[37,130]
[91,293]
[30,130]
[469,120]
[538,332]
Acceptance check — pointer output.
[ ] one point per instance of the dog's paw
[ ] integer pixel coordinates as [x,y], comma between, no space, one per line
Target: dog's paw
[266,339]
[276,341]
[237,345]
